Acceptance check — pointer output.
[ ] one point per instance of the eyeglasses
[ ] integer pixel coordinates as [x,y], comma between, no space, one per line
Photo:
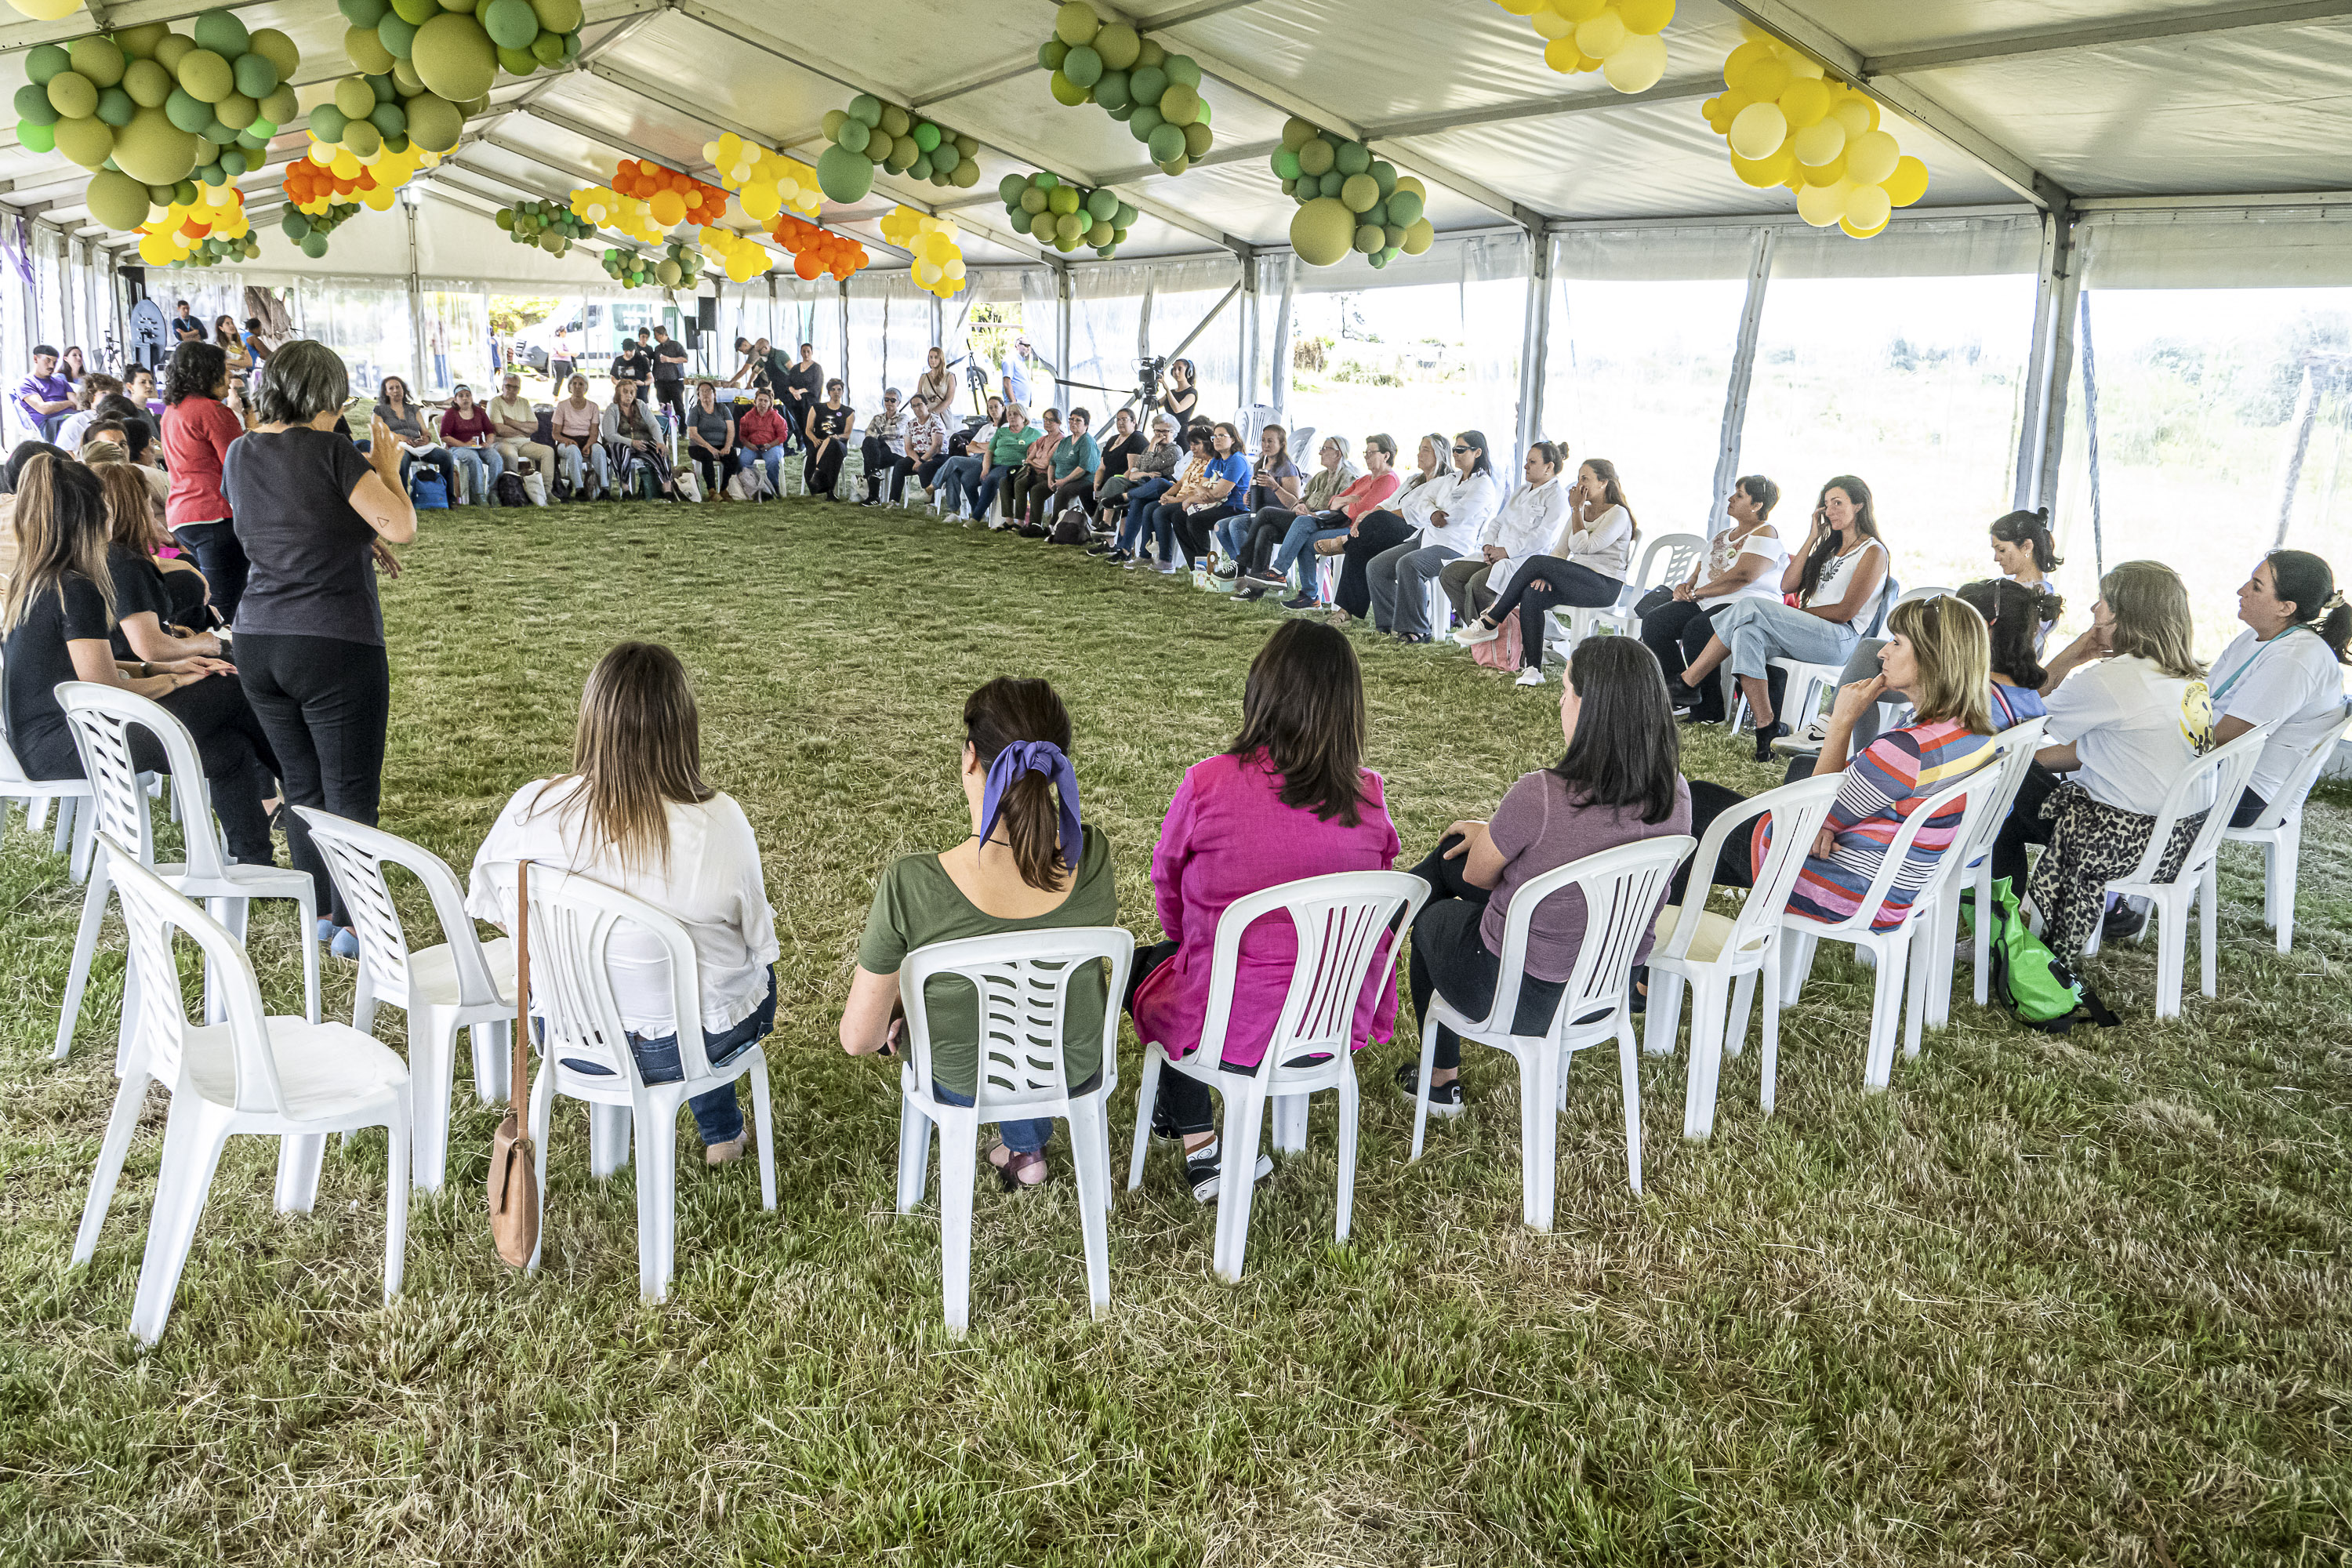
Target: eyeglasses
[1458,448]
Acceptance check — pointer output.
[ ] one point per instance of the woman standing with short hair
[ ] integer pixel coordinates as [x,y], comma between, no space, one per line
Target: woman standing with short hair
[202,415]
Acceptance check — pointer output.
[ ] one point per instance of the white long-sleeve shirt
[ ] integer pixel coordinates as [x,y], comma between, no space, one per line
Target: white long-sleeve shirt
[1606,547]
[1469,505]
[1526,525]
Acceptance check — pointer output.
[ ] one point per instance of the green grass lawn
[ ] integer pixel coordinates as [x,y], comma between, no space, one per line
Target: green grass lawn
[2080,1299]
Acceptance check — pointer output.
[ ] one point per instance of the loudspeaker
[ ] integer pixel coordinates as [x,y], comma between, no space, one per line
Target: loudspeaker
[706,313]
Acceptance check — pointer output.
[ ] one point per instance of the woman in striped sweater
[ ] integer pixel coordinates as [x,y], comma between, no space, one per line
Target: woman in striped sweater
[1937,658]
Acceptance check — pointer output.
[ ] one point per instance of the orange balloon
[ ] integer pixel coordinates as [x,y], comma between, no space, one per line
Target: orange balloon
[804,268]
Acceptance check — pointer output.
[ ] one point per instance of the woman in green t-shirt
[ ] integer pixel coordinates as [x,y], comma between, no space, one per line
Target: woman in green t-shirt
[1029,865]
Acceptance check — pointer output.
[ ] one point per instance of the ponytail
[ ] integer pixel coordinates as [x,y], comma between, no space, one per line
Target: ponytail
[1006,714]
[2306,582]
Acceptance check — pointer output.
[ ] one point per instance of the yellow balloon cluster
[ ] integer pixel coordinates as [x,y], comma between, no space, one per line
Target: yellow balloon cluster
[1619,39]
[604,208]
[1790,124]
[389,169]
[743,258]
[204,232]
[938,256]
[765,181]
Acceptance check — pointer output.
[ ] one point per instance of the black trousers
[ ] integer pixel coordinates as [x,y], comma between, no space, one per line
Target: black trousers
[823,469]
[189,605]
[1375,533]
[1195,529]
[1677,631]
[1182,1108]
[323,703]
[715,467]
[796,405]
[221,559]
[1564,582]
[2024,827]
[879,460]
[1449,957]
[928,471]
[1268,529]
[231,746]
[671,395]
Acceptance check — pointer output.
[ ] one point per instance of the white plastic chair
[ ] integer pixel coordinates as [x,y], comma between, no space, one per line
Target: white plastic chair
[102,718]
[1022,982]
[1973,868]
[1342,925]
[290,1079]
[574,921]
[1622,888]
[1717,956]
[459,984]
[2279,831]
[77,821]
[1677,551]
[1893,1004]
[2218,776]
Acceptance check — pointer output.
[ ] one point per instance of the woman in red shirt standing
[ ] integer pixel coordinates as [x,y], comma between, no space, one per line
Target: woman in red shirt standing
[202,414]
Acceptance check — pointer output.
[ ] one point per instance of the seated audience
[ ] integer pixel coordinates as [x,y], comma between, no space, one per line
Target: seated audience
[955,478]
[824,429]
[1446,506]
[2286,669]
[1837,577]
[231,342]
[516,425]
[2128,710]
[579,430]
[883,446]
[44,397]
[1127,444]
[139,386]
[58,619]
[1494,553]
[1072,469]
[1007,447]
[2027,553]
[1586,569]
[1271,525]
[761,435]
[1288,799]
[711,440]
[1273,484]
[1202,499]
[1744,560]
[1937,656]
[634,813]
[160,610]
[1131,507]
[637,442]
[927,446]
[1338,532]
[88,392]
[1620,782]
[1034,475]
[466,432]
[406,420]
[1030,864]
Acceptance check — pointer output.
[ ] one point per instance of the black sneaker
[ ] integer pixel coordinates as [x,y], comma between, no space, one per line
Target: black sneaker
[1270,577]
[1204,1170]
[1248,590]
[1105,548]
[1444,1098]
[1302,602]
[2124,921]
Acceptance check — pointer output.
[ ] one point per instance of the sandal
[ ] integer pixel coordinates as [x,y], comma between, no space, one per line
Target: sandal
[1017,1173]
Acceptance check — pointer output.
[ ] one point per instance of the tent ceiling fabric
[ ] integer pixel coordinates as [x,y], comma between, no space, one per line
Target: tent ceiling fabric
[2196,101]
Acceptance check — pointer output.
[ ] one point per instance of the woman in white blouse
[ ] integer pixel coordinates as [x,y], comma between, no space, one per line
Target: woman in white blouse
[1743,561]
[1444,522]
[1586,567]
[2286,670]
[1523,526]
[1837,578]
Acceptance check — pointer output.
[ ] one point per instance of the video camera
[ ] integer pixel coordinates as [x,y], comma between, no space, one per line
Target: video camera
[1148,372]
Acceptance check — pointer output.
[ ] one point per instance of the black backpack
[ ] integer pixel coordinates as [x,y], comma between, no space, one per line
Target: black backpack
[511,492]
[1070,528]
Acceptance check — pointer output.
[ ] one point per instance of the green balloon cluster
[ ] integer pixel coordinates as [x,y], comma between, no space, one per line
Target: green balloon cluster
[679,266]
[551,225]
[391,111]
[1348,201]
[310,230]
[1132,79]
[454,48]
[1065,215]
[871,135]
[212,250]
[145,108]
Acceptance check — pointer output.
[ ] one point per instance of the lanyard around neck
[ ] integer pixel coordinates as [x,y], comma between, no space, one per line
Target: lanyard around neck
[2259,649]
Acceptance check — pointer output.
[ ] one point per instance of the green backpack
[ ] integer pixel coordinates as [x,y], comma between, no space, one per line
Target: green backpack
[2035,982]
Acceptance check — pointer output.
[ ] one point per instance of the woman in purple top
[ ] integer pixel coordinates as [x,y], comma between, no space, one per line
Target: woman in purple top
[1288,799]
[1620,782]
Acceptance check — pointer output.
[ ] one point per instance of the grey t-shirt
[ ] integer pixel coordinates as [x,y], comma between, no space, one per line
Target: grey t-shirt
[408,424]
[312,570]
[712,423]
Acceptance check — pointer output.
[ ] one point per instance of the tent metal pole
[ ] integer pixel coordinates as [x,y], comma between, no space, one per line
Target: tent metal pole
[2037,370]
[1247,359]
[1061,331]
[1535,340]
[415,304]
[2068,271]
[2091,440]
[842,305]
[1279,373]
[2306,414]
[1743,363]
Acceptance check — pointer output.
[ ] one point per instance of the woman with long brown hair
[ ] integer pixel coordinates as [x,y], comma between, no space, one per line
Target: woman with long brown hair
[58,619]
[1289,798]
[159,604]
[635,812]
[1028,864]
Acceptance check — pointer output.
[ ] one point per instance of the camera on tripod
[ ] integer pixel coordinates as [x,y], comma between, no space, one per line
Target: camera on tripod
[1148,372]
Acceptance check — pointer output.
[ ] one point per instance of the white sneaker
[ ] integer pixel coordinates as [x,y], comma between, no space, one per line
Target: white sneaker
[1530,678]
[1474,633]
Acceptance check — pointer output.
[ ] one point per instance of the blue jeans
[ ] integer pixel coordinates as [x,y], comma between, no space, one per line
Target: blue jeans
[959,478]
[771,457]
[576,466]
[1021,1137]
[1140,500]
[1303,532]
[716,1115]
[1234,532]
[485,465]
[1756,630]
[985,492]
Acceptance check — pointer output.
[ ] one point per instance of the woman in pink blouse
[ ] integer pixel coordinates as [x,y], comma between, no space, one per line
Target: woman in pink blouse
[1288,800]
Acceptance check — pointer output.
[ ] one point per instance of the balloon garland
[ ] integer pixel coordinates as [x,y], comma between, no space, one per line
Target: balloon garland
[1787,122]
[678,266]
[1349,200]
[1132,79]
[551,225]
[1619,39]
[45,10]
[457,47]
[671,197]
[764,180]
[145,109]
[601,206]
[203,231]
[1056,213]
[743,257]
[817,251]
[871,135]
[317,204]
[933,241]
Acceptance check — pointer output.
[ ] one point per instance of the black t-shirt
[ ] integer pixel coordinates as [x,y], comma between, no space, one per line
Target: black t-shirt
[635,363]
[808,380]
[830,421]
[1115,455]
[669,360]
[187,329]
[1180,403]
[138,587]
[312,570]
[38,660]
